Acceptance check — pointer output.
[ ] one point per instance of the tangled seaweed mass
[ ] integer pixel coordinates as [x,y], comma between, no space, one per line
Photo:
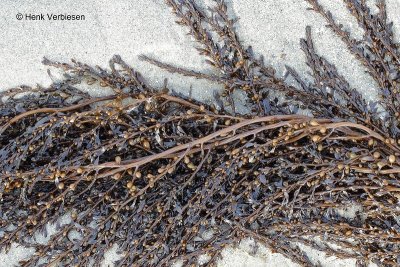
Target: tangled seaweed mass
[153,171]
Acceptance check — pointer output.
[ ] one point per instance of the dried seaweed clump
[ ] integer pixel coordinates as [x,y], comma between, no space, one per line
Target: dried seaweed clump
[156,172]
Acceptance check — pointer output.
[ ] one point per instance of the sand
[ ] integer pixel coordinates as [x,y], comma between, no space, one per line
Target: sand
[130,28]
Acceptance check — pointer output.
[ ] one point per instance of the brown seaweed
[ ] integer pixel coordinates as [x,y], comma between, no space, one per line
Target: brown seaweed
[153,171]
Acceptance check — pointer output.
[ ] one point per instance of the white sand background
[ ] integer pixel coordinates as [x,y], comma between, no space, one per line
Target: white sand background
[133,27]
